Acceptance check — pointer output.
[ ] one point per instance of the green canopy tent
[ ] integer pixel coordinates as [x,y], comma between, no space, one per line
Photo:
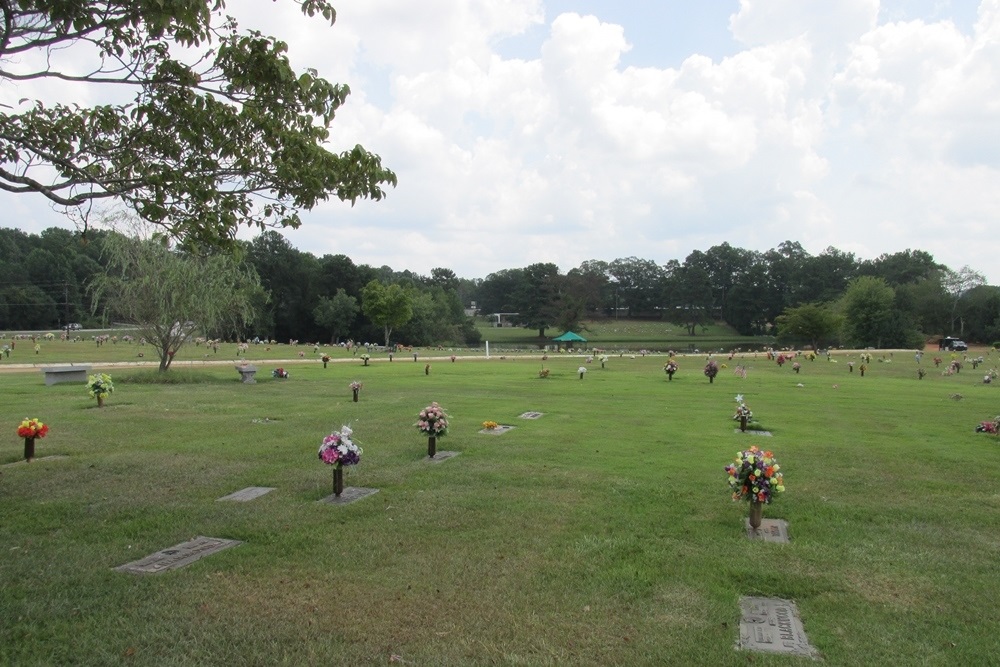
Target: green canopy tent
[569,338]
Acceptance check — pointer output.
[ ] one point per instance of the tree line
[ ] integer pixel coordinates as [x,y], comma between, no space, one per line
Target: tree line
[894,300]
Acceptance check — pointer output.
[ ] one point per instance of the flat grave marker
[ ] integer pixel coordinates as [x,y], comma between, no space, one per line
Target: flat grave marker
[37,459]
[247,494]
[773,625]
[499,430]
[177,556]
[441,456]
[771,530]
[531,415]
[752,432]
[349,495]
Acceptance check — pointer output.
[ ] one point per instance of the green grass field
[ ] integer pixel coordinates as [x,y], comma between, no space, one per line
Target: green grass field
[602,533]
[631,335]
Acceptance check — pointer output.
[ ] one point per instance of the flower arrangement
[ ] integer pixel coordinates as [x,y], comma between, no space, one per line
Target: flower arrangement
[670,367]
[755,476]
[356,386]
[742,410]
[711,370]
[581,370]
[781,360]
[326,358]
[992,427]
[280,373]
[433,421]
[544,373]
[32,428]
[340,449]
[490,425]
[796,366]
[99,385]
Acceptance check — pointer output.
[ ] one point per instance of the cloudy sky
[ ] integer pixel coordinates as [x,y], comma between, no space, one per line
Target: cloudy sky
[528,131]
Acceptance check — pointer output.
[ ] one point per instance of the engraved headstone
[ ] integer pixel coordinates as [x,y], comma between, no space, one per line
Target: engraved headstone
[532,415]
[771,530]
[249,493]
[349,495]
[752,432]
[177,556]
[441,456]
[772,625]
[499,430]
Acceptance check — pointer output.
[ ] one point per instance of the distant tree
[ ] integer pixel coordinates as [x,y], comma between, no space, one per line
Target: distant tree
[638,284]
[872,318]
[957,284]
[387,306]
[811,322]
[168,294]
[336,314]
[690,297]
[900,268]
[219,131]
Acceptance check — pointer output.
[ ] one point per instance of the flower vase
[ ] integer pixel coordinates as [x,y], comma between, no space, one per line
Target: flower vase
[324,364]
[366,362]
[29,449]
[756,514]
[100,401]
[355,392]
[338,480]
[711,379]
[743,423]
[431,446]
[670,377]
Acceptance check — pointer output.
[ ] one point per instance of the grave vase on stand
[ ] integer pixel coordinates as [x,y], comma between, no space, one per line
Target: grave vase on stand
[756,514]
[338,480]
[743,424]
[29,449]
[355,391]
[431,446]
[100,401]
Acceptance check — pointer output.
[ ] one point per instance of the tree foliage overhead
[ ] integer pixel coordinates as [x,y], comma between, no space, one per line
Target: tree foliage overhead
[216,129]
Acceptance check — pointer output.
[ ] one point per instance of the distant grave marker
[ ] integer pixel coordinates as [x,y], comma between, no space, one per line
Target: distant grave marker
[499,430]
[532,415]
[752,432]
[771,530]
[249,493]
[772,625]
[349,495]
[177,556]
[441,456]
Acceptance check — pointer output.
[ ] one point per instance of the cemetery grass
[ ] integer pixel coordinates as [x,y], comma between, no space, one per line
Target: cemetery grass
[630,335]
[601,533]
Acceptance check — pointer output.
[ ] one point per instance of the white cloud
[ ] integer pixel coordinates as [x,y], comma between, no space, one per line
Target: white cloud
[825,127]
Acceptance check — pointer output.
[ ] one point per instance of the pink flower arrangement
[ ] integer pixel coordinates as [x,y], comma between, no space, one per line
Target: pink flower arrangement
[433,421]
[340,449]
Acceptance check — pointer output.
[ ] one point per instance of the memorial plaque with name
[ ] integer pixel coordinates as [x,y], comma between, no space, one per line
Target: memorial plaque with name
[532,415]
[772,625]
[441,456]
[349,495]
[249,493]
[752,432]
[177,556]
[499,430]
[771,530]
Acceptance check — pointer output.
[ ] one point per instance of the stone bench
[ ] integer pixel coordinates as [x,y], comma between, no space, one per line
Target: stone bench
[247,374]
[57,374]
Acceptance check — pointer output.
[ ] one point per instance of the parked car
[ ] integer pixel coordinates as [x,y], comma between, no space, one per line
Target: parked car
[73,326]
[953,344]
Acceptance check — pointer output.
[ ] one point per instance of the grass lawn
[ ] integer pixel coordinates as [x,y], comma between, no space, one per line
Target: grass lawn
[631,334]
[602,533]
